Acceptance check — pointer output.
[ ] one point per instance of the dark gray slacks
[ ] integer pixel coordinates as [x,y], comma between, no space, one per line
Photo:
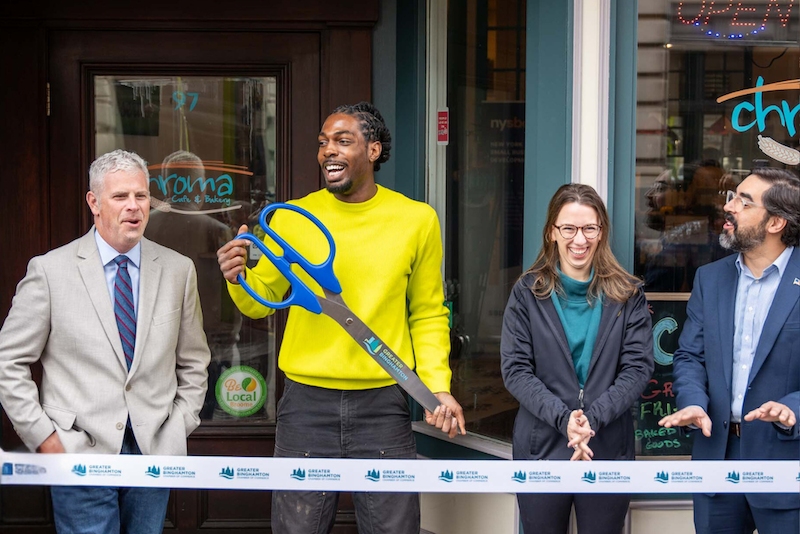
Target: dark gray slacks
[595,513]
[326,423]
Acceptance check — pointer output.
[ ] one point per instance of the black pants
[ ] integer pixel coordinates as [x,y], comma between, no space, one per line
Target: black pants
[327,423]
[549,513]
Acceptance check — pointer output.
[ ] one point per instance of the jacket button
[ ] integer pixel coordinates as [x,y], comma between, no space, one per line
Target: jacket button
[120,426]
[128,387]
[725,424]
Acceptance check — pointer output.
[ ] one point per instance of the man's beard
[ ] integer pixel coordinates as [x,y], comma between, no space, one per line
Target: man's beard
[743,240]
[343,187]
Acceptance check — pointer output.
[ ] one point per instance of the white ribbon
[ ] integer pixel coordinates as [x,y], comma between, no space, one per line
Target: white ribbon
[435,476]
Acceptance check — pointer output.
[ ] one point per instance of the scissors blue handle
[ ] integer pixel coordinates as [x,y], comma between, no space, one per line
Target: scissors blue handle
[322,273]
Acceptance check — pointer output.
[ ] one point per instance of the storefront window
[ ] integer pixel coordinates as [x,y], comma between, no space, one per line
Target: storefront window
[211,147]
[485,161]
[710,109]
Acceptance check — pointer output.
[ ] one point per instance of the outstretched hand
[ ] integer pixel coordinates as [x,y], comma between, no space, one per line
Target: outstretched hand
[691,415]
[773,412]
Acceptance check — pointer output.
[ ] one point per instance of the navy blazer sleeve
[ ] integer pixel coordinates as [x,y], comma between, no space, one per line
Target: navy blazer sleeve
[634,369]
[688,364]
[517,366]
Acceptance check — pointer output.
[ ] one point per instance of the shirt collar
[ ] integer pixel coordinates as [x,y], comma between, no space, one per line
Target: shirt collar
[780,264]
[108,253]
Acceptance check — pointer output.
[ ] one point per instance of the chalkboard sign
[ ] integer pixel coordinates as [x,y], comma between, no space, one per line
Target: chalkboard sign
[658,398]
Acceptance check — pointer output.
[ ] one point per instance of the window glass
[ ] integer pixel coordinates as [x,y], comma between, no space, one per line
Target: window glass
[485,161]
[210,146]
[708,112]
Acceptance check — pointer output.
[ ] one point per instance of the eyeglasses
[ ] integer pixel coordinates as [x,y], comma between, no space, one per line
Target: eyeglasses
[739,203]
[568,231]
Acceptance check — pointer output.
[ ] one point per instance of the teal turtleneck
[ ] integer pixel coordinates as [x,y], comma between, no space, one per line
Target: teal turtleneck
[580,320]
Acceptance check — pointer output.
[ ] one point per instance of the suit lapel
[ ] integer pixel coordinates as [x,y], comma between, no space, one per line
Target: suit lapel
[782,305]
[729,281]
[611,310]
[554,322]
[149,279]
[94,279]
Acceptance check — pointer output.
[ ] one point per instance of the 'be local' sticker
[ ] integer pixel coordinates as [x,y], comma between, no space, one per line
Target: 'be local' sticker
[241,391]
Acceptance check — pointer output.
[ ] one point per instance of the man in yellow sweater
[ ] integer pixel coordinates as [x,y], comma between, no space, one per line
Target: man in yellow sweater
[338,402]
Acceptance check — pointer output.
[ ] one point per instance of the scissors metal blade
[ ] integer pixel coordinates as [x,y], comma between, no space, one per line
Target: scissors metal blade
[335,308]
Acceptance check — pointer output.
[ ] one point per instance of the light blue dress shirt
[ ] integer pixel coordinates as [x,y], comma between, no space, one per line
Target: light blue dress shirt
[753,300]
[107,255]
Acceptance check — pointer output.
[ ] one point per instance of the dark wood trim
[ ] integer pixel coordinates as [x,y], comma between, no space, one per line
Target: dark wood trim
[201,11]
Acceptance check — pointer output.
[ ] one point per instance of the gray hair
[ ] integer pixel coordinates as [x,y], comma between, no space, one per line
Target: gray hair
[118,160]
[782,199]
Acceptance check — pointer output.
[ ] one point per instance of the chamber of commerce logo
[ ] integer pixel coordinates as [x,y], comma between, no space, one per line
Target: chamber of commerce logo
[373,346]
[153,472]
[79,470]
[227,472]
[662,477]
[520,477]
[373,475]
[241,391]
[589,477]
[8,469]
[733,477]
[298,474]
[446,476]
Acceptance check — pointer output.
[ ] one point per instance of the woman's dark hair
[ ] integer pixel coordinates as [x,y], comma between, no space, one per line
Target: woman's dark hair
[782,199]
[373,127]
[610,280]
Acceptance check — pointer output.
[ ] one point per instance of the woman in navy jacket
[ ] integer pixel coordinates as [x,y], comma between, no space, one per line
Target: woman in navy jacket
[576,352]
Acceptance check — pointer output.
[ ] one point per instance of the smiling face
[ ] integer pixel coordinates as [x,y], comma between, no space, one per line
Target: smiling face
[575,255]
[121,209]
[346,157]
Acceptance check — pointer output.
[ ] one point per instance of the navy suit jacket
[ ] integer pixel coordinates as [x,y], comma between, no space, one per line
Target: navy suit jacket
[703,366]
[538,371]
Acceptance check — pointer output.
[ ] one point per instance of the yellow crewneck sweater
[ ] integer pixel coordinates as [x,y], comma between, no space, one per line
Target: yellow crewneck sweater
[388,261]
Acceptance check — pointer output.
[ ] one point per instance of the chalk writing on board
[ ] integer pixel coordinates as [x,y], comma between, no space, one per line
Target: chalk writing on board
[658,399]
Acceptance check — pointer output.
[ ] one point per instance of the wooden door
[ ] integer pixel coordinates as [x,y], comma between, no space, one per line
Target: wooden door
[186,100]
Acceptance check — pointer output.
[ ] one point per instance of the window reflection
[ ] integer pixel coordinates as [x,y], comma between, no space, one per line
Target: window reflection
[485,163]
[210,143]
[691,142]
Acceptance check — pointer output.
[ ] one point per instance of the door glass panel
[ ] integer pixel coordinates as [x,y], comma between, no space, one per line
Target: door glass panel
[485,170]
[210,146]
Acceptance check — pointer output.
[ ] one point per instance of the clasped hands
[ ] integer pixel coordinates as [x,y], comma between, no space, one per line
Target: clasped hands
[579,432]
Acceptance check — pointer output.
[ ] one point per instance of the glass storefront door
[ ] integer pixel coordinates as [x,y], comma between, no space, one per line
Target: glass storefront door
[211,146]
[485,164]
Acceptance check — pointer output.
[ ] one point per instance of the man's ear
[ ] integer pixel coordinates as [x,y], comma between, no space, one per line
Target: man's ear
[94,203]
[776,224]
[374,151]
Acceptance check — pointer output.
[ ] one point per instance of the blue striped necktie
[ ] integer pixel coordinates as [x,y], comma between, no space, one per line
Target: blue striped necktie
[123,308]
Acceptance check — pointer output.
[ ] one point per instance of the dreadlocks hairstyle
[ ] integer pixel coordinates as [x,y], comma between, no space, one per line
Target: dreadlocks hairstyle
[373,127]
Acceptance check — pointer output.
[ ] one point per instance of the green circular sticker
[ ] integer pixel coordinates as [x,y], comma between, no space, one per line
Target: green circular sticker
[241,391]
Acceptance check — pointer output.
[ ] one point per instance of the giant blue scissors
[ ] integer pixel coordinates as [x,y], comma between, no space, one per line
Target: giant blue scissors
[332,303]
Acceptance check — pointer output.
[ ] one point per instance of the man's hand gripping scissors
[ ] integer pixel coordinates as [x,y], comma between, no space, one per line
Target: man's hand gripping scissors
[332,303]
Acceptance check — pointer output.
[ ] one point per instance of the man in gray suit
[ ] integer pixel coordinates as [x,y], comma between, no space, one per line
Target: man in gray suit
[115,320]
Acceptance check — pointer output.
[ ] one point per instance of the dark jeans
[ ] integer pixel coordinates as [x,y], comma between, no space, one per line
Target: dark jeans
[595,513]
[88,510]
[730,513]
[327,423]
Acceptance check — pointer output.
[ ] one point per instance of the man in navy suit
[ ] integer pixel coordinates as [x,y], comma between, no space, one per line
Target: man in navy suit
[737,371]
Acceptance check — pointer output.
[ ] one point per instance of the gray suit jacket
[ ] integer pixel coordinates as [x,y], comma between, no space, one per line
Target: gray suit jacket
[62,314]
